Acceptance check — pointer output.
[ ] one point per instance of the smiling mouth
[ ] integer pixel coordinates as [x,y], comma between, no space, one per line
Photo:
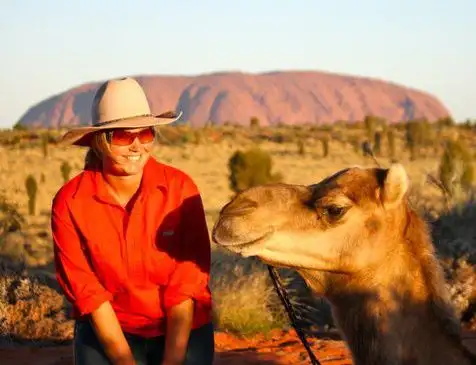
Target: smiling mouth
[133,158]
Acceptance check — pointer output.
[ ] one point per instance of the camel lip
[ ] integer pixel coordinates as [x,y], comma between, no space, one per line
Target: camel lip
[306,268]
[242,245]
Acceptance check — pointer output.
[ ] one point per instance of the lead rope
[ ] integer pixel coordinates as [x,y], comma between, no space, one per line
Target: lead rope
[289,309]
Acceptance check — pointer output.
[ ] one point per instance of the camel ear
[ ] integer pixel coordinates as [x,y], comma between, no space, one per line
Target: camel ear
[395,185]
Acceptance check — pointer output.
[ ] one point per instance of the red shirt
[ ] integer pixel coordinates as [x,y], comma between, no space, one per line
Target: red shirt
[143,262]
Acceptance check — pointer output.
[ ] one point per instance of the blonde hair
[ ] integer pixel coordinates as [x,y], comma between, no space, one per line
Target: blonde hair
[98,147]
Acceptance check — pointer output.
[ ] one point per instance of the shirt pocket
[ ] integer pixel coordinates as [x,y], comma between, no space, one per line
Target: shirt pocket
[161,255]
[167,233]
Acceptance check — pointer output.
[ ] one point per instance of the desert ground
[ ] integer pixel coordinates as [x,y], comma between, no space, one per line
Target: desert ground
[252,327]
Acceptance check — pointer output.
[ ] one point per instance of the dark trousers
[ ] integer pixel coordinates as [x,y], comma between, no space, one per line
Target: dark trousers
[147,351]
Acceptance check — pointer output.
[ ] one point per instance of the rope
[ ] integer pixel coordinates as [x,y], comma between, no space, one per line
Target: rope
[289,309]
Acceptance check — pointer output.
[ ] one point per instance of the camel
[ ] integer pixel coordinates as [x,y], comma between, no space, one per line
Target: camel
[356,241]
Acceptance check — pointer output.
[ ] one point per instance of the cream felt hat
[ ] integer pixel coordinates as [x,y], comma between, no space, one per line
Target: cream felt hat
[119,103]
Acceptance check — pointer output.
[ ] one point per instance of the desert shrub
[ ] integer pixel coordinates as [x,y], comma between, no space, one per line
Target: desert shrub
[456,170]
[168,135]
[417,135]
[45,139]
[355,143]
[454,231]
[454,238]
[65,170]
[30,308]
[197,137]
[370,123]
[300,147]
[254,122]
[19,127]
[445,122]
[325,146]
[251,168]
[31,188]
[391,142]
[12,247]
[10,219]
[245,301]
[378,143]
[188,137]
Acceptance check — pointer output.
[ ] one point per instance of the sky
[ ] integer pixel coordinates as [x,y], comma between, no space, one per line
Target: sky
[48,47]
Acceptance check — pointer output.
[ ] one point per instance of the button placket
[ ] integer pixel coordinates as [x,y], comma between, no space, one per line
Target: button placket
[133,246]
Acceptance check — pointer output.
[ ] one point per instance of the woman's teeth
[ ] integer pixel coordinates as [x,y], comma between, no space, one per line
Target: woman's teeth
[133,158]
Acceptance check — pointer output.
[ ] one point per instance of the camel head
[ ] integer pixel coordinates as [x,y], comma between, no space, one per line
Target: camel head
[339,225]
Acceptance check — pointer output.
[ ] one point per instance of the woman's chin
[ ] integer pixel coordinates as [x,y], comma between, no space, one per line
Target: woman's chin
[127,169]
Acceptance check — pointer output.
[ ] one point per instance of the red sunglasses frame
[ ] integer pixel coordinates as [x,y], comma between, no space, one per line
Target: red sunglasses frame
[122,137]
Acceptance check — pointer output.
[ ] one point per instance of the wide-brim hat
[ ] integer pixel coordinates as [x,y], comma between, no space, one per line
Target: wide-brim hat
[120,103]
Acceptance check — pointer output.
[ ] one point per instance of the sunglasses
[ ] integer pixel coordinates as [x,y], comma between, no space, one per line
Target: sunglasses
[122,137]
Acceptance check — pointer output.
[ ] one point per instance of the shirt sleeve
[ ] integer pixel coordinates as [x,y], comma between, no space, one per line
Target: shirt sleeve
[192,253]
[73,272]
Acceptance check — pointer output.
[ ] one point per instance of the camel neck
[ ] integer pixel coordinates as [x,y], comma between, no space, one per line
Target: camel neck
[388,326]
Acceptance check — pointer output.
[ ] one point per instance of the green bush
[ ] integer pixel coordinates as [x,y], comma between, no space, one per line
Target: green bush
[391,142]
[417,135]
[355,143]
[301,148]
[45,138]
[456,170]
[10,219]
[378,143]
[65,170]
[325,147]
[251,168]
[31,189]
[254,122]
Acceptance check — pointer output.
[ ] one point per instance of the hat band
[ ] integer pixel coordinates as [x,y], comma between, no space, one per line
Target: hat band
[100,124]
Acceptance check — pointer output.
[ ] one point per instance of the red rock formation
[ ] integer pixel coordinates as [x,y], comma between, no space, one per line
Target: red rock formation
[287,97]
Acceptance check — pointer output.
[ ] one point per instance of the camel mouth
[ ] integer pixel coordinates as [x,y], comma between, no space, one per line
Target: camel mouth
[249,248]
[296,266]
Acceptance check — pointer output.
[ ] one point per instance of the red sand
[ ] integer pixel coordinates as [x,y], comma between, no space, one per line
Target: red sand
[277,349]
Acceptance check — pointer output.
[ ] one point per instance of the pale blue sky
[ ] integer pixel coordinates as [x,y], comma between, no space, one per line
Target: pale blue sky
[49,46]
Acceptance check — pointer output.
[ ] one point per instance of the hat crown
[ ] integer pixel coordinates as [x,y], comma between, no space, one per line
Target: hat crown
[119,99]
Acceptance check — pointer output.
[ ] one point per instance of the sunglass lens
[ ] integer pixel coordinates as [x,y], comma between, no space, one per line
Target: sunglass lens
[147,135]
[121,137]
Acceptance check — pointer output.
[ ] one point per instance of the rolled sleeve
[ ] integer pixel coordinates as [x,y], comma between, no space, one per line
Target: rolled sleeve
[77,280]
[192,253]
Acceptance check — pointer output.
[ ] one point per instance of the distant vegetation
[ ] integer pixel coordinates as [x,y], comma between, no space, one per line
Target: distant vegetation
[245,300]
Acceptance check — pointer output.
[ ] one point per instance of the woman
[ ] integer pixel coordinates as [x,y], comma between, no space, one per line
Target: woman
[132,249]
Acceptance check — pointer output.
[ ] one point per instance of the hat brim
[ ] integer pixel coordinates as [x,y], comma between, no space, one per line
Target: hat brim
[81,136]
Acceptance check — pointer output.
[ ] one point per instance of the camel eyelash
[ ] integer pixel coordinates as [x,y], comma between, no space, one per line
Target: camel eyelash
[333,211]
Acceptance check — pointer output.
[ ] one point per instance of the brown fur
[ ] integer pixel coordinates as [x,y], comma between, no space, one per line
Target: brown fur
[355,240]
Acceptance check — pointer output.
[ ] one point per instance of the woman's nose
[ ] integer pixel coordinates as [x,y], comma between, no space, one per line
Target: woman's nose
[135,145]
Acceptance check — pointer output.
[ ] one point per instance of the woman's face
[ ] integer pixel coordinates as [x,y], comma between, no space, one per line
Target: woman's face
[128,150]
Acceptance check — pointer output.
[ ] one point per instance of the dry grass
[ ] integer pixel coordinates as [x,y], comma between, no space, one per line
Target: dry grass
[30,309]
[245,301]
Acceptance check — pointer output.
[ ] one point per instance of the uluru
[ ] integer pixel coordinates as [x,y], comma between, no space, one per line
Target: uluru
[285,97]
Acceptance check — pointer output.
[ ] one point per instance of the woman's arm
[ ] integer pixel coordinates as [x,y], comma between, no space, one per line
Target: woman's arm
[81,286]
[188,284]
[179,324]
[110,335]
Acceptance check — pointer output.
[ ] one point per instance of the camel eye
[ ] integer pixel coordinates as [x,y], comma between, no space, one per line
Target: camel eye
[334,212]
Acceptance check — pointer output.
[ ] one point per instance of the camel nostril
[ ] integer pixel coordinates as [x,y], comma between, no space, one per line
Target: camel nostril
[241,207]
